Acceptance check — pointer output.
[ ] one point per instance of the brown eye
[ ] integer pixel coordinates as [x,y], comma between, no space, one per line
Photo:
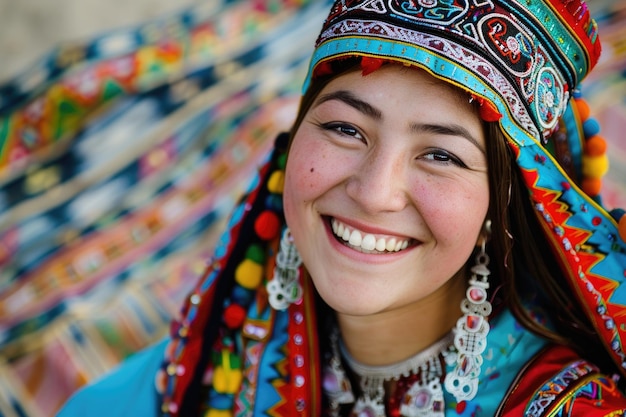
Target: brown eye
[443,157]
[348,130]
[344,129]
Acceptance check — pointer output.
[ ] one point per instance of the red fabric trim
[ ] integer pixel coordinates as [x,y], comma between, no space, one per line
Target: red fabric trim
[313,367]
[543,368]
[192,350]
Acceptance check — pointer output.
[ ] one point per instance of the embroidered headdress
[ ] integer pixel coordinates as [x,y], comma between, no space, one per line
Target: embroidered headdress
[523,61]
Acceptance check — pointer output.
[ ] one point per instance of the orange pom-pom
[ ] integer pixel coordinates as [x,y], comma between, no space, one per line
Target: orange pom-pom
[595,146]
[621,227]
[583,109]
[591,186]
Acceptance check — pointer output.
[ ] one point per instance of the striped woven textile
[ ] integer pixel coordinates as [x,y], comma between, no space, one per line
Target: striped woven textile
[120,158]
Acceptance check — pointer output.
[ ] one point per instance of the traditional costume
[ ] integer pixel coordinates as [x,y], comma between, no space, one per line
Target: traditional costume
[254,338]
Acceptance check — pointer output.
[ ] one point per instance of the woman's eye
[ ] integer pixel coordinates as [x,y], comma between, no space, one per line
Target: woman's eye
[443,157]
[343,129]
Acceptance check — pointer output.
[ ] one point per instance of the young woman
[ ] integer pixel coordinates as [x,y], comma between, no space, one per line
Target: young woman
[424,243]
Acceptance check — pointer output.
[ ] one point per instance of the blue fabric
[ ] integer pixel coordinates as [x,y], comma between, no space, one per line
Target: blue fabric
[127,391]
[509,348]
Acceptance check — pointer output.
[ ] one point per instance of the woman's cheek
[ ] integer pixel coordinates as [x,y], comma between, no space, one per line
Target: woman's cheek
[446,208]
[305,168]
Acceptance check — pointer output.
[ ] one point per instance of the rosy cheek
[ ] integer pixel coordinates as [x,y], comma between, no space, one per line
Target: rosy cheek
[301,181]
[304,169]
[450,213]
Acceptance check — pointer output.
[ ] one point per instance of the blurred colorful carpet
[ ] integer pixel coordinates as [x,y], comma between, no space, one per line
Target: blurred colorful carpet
[120,158]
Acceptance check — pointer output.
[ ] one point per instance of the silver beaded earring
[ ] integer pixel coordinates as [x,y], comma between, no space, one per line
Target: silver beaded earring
[284,288]
[470,339]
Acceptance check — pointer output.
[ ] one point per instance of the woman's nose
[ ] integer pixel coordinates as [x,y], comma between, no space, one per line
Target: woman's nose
[379,183]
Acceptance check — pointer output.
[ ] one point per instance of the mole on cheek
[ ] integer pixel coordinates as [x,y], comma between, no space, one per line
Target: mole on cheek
[312,169]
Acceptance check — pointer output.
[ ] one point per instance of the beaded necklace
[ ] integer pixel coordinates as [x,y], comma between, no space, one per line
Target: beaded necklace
[418,390]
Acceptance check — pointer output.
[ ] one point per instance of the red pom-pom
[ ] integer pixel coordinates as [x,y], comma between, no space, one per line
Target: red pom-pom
[267,225]
[234,315]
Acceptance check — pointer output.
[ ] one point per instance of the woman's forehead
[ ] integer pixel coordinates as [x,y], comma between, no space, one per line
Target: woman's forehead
[405,79]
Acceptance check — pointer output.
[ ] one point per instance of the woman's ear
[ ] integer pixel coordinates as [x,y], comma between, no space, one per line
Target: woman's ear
[485,233]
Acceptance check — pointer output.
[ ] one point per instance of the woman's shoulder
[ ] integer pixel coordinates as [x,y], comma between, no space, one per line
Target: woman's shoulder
[558,380]
[128,390]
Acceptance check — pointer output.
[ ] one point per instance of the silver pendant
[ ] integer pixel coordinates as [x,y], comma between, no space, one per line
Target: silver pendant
[423,400]
[369,407]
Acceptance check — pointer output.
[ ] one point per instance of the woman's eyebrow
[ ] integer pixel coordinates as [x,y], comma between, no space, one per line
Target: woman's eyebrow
[448,129]
[352,101]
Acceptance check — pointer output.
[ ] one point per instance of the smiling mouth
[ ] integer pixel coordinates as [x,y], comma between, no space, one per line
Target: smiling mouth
[367,242]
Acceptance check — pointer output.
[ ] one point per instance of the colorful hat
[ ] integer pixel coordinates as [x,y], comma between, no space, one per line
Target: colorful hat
[523,60]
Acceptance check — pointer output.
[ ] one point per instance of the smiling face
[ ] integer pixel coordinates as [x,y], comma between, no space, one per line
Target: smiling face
[386,189]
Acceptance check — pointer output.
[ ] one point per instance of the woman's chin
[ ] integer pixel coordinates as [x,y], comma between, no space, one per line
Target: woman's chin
[353,305]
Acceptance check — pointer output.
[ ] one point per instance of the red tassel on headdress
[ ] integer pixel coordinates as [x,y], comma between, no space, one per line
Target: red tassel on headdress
[487,111]
[369,65]
[323,68]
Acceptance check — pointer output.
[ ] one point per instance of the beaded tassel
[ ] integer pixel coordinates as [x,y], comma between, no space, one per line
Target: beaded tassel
[285,287]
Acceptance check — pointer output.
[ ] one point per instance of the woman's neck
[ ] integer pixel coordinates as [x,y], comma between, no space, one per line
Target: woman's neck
[398,334]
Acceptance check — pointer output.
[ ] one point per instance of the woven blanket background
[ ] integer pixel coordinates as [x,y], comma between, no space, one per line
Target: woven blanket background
[120,157]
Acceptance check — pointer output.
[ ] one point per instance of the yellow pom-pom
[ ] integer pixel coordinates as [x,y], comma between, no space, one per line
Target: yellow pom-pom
[595,166]
[227,381]
[218,413]
[276,183]
[249,274]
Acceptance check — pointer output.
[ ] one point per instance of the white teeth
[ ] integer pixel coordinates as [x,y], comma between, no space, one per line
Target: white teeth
[366,241]
[338,228]
[355,238]
[369,242]
[346,234]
